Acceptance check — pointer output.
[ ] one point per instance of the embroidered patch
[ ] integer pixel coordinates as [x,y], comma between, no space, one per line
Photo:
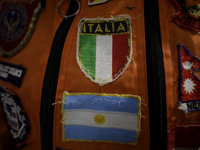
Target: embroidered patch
[95,2]
[189,82]
[184,138]
[104,48]
[187,18]
[17,23]
[15,115]
[11,73]
[101,117]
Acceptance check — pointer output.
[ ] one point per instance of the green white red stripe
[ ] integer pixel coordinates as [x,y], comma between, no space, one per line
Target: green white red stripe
[103,58]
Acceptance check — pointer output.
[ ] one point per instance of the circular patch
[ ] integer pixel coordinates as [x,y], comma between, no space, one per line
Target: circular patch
[13,22]
[99,119]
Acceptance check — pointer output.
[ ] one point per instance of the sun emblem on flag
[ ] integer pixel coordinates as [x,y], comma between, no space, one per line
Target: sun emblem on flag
[189,85]
[99,119]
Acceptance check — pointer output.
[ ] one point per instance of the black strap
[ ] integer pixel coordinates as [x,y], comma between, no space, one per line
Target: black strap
[156,76]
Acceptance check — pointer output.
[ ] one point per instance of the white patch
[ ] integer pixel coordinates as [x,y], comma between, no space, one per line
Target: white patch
[104,58]
[187,65]
[183,106]
[117,120]
[189,86]
[97,2]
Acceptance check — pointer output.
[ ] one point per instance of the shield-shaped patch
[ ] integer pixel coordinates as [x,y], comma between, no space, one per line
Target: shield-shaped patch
[17,23]
[104,48]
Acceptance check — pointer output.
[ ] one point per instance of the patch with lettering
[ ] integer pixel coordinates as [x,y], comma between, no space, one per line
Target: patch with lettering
[95,2]
[15,115]
[104,48]
[189,82]
[17,23]
[184,137]
[100,117]
[187,17]
[11,73]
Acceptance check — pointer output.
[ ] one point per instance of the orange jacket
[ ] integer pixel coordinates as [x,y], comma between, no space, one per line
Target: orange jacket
[139,99]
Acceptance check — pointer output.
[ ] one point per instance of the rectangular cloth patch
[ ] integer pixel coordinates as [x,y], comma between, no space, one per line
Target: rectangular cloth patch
[11,73]
[101,117]
[184,138]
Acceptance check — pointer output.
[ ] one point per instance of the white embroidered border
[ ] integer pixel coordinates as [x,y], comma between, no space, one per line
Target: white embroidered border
[103,82]
[95,3]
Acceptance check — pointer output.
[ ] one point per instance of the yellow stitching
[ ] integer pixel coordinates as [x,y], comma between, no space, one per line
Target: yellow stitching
[103,94]
[103,20]
[63,118]
[59,102]
[105,33]
[125,18]
[29,33]
[139,119]
[144,103]
[134,62]
[88,72]
[106,20]
[72,140]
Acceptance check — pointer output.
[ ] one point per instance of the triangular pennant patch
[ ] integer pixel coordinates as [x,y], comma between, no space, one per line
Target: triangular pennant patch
[189,82]
[17,22]
[104,48]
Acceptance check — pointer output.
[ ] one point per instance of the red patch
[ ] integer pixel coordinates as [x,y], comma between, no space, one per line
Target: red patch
[17,23]
[184,137]
[119,54]
[187,18]
[189,82]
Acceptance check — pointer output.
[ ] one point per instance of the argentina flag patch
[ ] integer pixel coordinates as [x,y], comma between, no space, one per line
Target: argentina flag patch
[92,117]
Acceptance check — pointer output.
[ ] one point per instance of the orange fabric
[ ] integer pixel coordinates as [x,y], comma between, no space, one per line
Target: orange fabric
[34,58]
[133,81]
[172,35]
[6,141]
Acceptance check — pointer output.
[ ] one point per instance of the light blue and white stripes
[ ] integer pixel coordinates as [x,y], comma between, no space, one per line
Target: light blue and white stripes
[101,117]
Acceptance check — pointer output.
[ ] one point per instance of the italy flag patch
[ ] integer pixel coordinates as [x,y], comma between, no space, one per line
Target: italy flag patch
[104,48]
[95,117]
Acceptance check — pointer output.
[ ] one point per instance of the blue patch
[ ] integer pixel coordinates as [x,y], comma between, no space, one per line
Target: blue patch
[13,22]
[102,103]
[100,134]
[15,115]
[11,73]
[101,117]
